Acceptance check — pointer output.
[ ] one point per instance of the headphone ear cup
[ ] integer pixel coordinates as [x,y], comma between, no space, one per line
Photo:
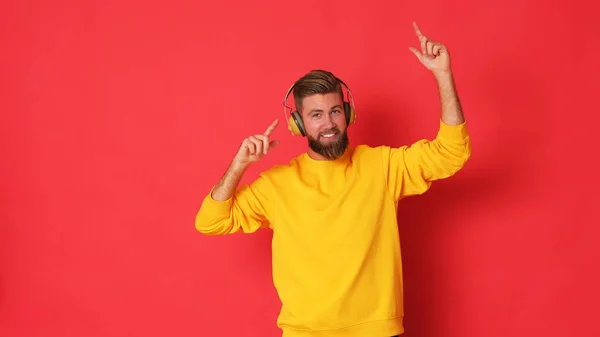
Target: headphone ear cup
[350,113]
[295,124]
[352,116]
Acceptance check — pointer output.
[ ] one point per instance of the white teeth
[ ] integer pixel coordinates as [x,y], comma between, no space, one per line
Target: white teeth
[329,135]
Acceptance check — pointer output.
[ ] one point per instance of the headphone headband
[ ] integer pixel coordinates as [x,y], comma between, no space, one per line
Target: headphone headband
[287,94]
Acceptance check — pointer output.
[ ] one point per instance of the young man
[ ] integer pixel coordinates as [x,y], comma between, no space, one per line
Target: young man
[336,251]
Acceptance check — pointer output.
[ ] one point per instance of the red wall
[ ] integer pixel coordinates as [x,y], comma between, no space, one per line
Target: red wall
[110,140]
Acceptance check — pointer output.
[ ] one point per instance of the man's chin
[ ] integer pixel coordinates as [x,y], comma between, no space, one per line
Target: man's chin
[330,148]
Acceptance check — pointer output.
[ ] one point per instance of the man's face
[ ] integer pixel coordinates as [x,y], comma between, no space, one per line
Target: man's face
[325,124]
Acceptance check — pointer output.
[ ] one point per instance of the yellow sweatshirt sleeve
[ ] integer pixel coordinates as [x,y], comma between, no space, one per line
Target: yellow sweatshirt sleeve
[246,211]
[412,169]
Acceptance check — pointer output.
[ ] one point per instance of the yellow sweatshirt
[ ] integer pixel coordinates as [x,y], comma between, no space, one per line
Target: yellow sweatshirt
[336,251]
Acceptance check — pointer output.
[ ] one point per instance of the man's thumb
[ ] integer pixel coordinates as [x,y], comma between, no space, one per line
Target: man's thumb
[417,53]
[273,144]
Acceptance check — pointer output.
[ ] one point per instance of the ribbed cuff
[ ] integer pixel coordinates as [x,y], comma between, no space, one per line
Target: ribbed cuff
[457,133]
[216,205]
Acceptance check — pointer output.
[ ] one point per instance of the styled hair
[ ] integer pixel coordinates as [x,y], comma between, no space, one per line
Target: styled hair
[315,82]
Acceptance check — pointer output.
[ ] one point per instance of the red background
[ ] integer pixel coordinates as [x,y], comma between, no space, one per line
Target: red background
[111,137]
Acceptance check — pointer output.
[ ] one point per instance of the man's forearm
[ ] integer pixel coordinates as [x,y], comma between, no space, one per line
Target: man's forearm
[452,113]
[228,184]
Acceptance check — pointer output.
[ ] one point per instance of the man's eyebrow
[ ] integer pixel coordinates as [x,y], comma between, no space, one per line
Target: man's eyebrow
[321,110]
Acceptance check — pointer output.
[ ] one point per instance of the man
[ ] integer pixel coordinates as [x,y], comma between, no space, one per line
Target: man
[336,251]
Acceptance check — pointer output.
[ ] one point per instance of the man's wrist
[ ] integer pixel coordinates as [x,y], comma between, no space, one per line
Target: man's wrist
[237,167]
[443,75]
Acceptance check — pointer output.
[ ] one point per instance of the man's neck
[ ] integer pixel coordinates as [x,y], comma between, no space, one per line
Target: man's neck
[316,156]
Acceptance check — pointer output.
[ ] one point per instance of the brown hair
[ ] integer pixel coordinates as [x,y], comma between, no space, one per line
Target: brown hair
[315,82]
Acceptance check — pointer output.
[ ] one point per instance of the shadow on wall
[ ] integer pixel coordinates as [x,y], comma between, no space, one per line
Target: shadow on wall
[495,169]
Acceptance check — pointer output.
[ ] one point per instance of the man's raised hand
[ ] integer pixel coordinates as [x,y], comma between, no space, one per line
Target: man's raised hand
[433,55]
[255,147]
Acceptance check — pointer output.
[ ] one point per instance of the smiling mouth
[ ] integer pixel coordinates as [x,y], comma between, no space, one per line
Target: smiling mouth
[329,134]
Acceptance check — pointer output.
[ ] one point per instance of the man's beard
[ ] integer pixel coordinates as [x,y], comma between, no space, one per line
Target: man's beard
[332,150]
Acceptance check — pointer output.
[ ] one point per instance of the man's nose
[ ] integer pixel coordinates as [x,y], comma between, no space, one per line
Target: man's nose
[329,122]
